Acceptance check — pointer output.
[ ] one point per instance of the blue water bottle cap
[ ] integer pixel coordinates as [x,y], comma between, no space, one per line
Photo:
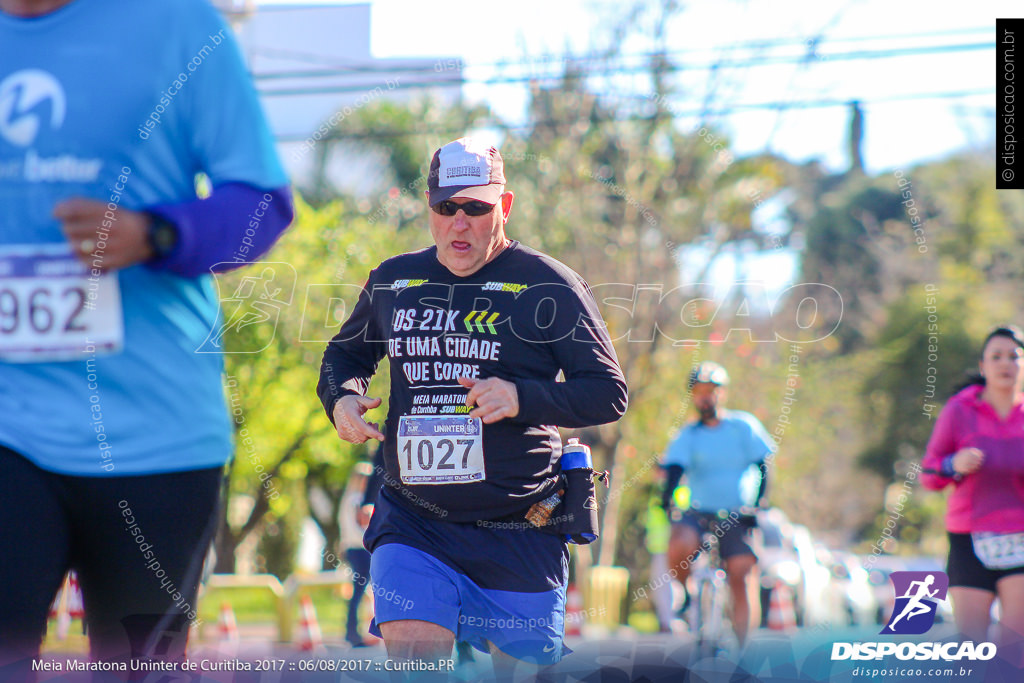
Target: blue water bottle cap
[576,455]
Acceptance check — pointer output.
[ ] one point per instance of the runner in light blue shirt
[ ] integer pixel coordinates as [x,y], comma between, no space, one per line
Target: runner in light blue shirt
[77,128]
[113,429]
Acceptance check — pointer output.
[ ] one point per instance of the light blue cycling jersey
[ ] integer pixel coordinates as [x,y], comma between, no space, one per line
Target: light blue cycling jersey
[719,461]
[123,102]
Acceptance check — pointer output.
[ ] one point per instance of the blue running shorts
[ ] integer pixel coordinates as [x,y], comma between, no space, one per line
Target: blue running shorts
[502,582]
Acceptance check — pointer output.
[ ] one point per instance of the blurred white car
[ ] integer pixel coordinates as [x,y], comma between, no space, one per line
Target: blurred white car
[821,606]
[860,604]
[778,561]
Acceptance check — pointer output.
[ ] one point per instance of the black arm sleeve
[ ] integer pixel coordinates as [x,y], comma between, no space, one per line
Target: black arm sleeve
[594,391]
[673,473]
[762,490]
[351,357]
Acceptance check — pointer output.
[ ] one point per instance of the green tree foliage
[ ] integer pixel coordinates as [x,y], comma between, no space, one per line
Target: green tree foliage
[913,377]
[842,251]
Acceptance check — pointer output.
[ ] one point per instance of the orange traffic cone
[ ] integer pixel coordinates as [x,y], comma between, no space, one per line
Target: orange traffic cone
[781,613]
[227,628]
[573,611]
[227,633]
[309,637]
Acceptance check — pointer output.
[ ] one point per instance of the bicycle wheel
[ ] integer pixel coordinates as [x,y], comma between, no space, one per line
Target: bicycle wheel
[708,617]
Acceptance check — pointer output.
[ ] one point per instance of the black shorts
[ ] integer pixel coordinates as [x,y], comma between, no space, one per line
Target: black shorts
[966,570]
[734,533]
[103,527]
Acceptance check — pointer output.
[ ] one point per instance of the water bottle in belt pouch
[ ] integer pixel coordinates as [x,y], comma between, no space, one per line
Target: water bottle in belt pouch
[575,506]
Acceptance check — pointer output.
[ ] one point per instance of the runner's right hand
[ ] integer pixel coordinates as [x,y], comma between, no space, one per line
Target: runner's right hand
[348,419]
[968,460]
[127,242]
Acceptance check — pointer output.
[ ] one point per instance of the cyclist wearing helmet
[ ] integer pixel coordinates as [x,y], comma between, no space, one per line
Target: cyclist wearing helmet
[723,456]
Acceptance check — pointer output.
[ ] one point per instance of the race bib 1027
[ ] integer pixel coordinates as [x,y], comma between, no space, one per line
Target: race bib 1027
[51,309]
[440,450]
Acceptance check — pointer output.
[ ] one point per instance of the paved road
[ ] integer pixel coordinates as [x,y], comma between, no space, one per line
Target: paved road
[803,655]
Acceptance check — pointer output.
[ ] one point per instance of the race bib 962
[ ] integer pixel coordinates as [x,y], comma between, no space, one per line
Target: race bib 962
[50,307]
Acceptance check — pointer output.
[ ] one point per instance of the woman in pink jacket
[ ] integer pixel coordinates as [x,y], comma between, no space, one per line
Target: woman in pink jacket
[978,448]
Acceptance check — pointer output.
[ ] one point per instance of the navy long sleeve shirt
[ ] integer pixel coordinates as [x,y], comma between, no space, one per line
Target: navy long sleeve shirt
[525,318]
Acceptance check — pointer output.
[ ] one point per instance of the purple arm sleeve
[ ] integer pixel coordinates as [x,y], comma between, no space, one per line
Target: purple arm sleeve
[237,223]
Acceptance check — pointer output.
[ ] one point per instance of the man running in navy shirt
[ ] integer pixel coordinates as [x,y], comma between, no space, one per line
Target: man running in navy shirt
[477,329]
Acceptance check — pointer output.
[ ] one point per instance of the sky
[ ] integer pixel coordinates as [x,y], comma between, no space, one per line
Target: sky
[822,46]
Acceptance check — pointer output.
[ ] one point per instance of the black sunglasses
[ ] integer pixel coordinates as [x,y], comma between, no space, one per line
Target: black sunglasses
[473,208]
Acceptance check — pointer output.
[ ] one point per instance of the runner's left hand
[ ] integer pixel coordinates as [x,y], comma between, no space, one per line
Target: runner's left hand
[495,398]
[127,241]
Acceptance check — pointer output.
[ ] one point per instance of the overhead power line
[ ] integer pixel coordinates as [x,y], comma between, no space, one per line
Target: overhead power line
[620,70]
[673,113]
[340,67]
